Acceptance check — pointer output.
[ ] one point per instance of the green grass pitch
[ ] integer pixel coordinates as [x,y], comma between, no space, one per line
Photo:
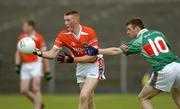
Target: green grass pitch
[103,101]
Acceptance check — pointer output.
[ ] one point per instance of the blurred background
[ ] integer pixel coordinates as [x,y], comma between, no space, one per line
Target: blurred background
[107,17]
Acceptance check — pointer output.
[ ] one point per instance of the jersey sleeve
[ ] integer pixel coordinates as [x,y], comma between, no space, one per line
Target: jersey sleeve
[58,43]
[132,47]
[92,40]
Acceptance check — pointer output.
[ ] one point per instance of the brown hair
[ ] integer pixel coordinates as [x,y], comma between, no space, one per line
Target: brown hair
[136,22]
[72,12]
[30,22]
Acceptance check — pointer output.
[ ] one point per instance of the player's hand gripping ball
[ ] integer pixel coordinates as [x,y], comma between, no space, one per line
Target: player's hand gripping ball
[26,45]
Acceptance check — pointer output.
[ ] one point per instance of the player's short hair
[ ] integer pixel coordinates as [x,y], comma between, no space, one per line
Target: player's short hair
[30,22]
[72,12]
[136,22]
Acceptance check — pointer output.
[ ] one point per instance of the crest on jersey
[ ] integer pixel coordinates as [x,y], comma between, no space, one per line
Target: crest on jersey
[125,47]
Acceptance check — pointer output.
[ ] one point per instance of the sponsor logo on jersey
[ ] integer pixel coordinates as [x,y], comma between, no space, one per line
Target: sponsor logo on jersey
[79,49]
[73,43]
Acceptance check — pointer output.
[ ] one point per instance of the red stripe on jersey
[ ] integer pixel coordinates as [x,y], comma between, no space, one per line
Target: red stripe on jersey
[125,47]
[161,43]
[58,43]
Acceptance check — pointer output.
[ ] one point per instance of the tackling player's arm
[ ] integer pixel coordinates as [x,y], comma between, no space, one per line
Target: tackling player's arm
[106,51]
[110,51]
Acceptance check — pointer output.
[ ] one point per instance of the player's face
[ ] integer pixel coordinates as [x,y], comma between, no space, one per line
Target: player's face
[27,28]
[132,31]
[69,22]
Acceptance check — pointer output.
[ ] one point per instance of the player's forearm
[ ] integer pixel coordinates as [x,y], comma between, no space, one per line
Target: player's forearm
[48,55]
[110,51]
[51,54]
[17,58]
[46,65]
[84,59]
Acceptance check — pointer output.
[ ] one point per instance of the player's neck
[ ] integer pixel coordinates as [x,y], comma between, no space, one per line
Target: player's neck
[76,30]
[31,32]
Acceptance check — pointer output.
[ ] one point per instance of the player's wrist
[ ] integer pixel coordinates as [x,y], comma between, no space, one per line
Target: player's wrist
[38,53]
[18,68]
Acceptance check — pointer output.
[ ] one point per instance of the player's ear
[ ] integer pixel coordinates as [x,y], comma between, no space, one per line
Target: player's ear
[137,29]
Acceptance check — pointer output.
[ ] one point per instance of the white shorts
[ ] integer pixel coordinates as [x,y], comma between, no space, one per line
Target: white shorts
[93,70]
[31,70]
[167,78]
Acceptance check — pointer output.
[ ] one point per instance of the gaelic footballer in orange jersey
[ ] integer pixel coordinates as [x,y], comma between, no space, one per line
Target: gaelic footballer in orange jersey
[90,69]
[75,43]
[31,67]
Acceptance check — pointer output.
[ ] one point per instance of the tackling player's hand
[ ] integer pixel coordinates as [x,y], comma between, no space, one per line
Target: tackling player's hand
[65,58]
[18,68]
[91,51]
[48,76]
[37,52]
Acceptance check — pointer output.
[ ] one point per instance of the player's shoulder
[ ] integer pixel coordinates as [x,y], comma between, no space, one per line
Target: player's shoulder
[21,35]
[87,29]
[39,35]
[63,33]
[155,32]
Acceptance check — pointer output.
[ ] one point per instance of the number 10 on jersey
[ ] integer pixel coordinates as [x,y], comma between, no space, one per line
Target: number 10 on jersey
[157,46]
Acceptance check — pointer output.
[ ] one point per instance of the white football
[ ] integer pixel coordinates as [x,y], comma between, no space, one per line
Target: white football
[26,45]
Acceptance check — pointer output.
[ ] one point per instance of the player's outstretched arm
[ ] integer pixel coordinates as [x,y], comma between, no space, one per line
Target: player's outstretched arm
[91,51]
[51,54]
[110,51]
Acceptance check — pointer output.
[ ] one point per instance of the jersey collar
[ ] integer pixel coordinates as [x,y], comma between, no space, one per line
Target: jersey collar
[32,34]
[142,31]
[79,34]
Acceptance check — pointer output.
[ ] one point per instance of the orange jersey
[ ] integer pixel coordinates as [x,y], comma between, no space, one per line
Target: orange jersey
[40,44]
[75,43]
